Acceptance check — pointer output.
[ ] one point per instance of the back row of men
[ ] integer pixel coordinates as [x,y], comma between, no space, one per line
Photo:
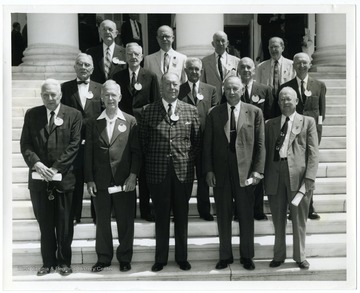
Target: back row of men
[171,135]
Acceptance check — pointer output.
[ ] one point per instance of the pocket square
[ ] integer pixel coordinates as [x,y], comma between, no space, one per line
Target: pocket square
[187,122]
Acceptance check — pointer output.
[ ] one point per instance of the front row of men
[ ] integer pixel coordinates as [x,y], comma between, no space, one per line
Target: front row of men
[169,139]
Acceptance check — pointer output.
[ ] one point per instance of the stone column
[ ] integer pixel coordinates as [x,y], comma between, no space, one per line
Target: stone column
[194,33]
[330,41]
[53,42]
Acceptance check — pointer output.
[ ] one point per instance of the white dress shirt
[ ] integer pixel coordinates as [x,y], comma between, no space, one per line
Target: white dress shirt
[273,65]
[56,111]
[111,48]
[110,123]
[83,92]
[134,25]
[284,148]
[236,114]
[305,83]
[173,105]
[170,54]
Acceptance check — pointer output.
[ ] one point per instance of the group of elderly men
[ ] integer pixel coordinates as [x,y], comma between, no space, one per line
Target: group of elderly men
[153,125]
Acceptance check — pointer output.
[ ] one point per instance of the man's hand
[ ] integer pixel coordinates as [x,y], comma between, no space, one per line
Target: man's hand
[91,187]
[256,177]
[44,171]
[210,179]
[309,185]
[130,183]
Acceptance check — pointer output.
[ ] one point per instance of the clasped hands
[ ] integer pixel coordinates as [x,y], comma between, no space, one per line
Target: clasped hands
[46,173]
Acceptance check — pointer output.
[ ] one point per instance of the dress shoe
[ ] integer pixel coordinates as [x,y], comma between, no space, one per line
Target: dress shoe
[236,218]
[223,263]
[157,267]
[303,265]
[125,266]
[207,217]
[275,263]
[247,263]
[43,271]
[64,270]
[313,216]
[99,266]
[262,217]
[184,265]
[289,217]
[149,218]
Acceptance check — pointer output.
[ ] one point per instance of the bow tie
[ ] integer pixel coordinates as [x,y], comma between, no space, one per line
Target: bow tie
[82,81]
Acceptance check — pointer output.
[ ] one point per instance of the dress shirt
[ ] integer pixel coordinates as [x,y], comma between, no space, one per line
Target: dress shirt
[110,123]
[272,68]
[305,83]
[111,50]
[236,114]
[191,86]
[284,148]
[135,29]
[223,62]
[56,111]
[83,91]
[136,73]
[249,86]
[166,105]
[170,54]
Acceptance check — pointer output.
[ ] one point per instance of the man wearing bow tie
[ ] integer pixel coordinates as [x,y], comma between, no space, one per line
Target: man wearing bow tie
[82,94]
[139,87]
[108,57]
[112,163]
[170,140]
[49,143]
[311,100]
[219,65]
[203,97]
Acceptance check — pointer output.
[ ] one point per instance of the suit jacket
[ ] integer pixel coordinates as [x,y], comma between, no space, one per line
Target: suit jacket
[56,149]
[203,106]
[133,101]
[302,155]
[263,72]
[71,98]
[211,75]
[127,35]
[315,104]
[97,54]
[262,97]
[177,64]
[249,145]
[162,139]
[111,162]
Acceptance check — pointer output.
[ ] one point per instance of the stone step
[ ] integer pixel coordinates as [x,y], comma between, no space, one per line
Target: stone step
[321,269]
[336,91]
[36,84]
[335,99]
[328,75]
[333,82]
[336,109]
[336,203]
[43,75]
[328,68]
[28,230]
[335,119]
[200,248]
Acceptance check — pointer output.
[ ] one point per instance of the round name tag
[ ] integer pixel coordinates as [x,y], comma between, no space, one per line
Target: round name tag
[122,127]
[89,95]
[255,98]
[200,97]
[138,86]
[58,121]
[116,60]
[308,93]
[174,117]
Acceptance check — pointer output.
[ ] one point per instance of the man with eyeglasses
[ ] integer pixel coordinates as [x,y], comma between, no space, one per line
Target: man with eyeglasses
[166,59]
[108,57]
[82,94]
[139,87]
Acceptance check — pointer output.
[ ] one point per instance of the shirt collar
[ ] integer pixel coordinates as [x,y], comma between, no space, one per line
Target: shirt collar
[119,114]
[88,80]
[56,111]
[136,72]
[166,104]
[291,117]
[305,79]
[191,84]
[280,60]
[170,52]
[111,47]
[237,106]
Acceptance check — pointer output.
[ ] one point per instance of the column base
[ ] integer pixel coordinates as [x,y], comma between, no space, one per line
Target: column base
[196,51]
[329,56]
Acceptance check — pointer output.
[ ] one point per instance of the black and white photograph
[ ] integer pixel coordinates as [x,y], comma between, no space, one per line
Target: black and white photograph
[187,146]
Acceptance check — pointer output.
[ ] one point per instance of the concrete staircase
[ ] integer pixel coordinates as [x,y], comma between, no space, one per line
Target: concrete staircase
[325,245]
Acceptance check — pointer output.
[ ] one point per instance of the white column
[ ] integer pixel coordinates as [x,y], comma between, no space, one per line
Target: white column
[330,40]
[53,40]
[194,33]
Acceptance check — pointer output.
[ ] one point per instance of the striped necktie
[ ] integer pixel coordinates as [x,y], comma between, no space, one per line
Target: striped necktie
[107,63]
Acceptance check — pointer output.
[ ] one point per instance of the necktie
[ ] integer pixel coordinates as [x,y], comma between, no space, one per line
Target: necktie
[166,62]
[136,29]
[232,129]
[194,92]
[169,111]
[133,79]
[107,62]
[82,81]
[303,96]
[280,139]
[276,78]
[246,95]
[220,67]
[51,121]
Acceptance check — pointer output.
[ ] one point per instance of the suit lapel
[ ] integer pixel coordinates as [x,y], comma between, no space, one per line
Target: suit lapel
[242,117]
[224,117]
[116,131]
[189,94]
[213,65]
[158,61]
[296,128]
[59,116]
[101,128]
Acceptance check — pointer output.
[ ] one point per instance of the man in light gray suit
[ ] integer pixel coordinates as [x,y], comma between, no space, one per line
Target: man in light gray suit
[292,158]
[166,59]
[219,65]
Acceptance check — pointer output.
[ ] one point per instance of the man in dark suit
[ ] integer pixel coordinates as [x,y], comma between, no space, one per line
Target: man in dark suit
[49,142]
[292,158]
[170,140]
[234,159]
[139,87]
[261,96]
[82,94]
[311,100]
[108,57]
[203,97]
[112,161]
[131,30]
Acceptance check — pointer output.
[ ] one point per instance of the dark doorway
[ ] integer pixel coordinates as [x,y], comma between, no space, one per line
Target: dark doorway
[154,22]
[239,40]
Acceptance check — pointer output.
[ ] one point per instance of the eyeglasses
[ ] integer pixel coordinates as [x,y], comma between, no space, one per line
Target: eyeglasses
[165,37]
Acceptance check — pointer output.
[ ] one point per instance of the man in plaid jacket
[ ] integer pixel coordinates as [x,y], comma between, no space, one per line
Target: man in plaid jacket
[170,139]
